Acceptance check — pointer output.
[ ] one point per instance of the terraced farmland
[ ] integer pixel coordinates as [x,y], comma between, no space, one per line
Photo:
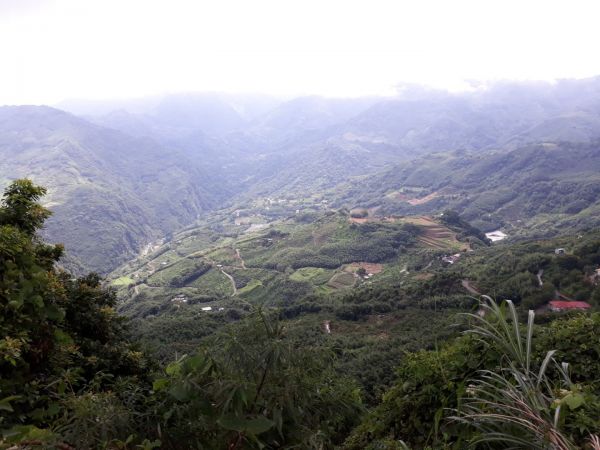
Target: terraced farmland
[435,235]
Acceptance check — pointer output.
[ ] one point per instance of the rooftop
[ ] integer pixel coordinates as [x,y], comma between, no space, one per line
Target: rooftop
[560,304]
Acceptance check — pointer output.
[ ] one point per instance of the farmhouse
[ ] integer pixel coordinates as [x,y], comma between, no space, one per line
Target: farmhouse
[451,259]
[496,235]
[559,305]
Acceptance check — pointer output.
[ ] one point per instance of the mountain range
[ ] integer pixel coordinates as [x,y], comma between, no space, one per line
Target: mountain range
[132,172]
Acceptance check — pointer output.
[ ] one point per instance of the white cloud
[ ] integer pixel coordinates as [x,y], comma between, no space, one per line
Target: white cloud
[52,50]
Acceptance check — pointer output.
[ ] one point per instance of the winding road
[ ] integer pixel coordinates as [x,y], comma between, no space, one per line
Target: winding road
[469,287]
[232,282]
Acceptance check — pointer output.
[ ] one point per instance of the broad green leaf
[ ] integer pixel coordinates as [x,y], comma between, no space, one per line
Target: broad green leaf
[37,300]
[233,422]
[573,401]
[181,392]
[159,384]
[195,362]
[53,409]
[259,425]
[173,368]
[5,403]
[29,432]
[62,337]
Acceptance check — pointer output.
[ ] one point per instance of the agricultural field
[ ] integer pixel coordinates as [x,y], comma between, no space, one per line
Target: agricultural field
[292,258]
[435,235]
[366,288]
[123,281]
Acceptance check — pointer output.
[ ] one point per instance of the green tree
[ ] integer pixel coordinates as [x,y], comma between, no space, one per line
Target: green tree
[56,332]
[253,387]
[20,207]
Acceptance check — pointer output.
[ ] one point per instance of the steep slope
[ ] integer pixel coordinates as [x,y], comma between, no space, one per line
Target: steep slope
[110,193]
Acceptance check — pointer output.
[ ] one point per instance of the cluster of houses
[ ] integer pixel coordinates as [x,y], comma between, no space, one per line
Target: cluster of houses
[210,308]
[181,299]
[178,299]
[495,236]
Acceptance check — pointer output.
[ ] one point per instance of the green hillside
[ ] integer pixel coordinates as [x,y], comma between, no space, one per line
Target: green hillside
[317,362]
[536,190]
[278,261]
[110,193]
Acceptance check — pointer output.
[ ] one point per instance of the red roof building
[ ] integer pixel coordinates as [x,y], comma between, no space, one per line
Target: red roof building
[559,305]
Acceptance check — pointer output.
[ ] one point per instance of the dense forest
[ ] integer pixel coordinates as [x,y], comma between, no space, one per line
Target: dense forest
[76,375]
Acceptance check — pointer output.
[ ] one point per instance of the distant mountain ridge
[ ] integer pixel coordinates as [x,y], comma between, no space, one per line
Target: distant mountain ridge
[134,171]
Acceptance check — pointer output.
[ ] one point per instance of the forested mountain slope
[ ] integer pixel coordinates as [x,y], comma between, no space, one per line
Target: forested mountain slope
[110,193]
[539,189]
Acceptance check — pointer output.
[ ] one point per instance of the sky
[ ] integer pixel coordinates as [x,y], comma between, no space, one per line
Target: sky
[54,50]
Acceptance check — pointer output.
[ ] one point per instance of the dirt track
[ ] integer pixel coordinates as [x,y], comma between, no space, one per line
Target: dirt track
[232,282]
[469,287]
[239,257]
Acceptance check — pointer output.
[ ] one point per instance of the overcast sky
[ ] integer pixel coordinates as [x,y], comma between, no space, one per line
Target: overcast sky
[51,50]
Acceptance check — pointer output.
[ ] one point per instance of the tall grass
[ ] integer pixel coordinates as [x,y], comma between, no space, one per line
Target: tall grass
[520,404]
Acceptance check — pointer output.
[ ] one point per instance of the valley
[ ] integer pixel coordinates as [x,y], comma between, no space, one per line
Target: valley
[350,242]
[316,225]
[136,172]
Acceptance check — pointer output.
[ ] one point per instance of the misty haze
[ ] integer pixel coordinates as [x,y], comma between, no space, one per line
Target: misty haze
[299,225]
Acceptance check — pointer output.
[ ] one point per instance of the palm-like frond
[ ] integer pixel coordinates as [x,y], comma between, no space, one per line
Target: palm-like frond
[514,406]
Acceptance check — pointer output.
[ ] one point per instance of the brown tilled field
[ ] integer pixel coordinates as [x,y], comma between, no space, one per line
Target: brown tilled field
[423,276]
[359,219]
[342,280]
[373,268]
[420,201]
[411,199]
[435,235]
